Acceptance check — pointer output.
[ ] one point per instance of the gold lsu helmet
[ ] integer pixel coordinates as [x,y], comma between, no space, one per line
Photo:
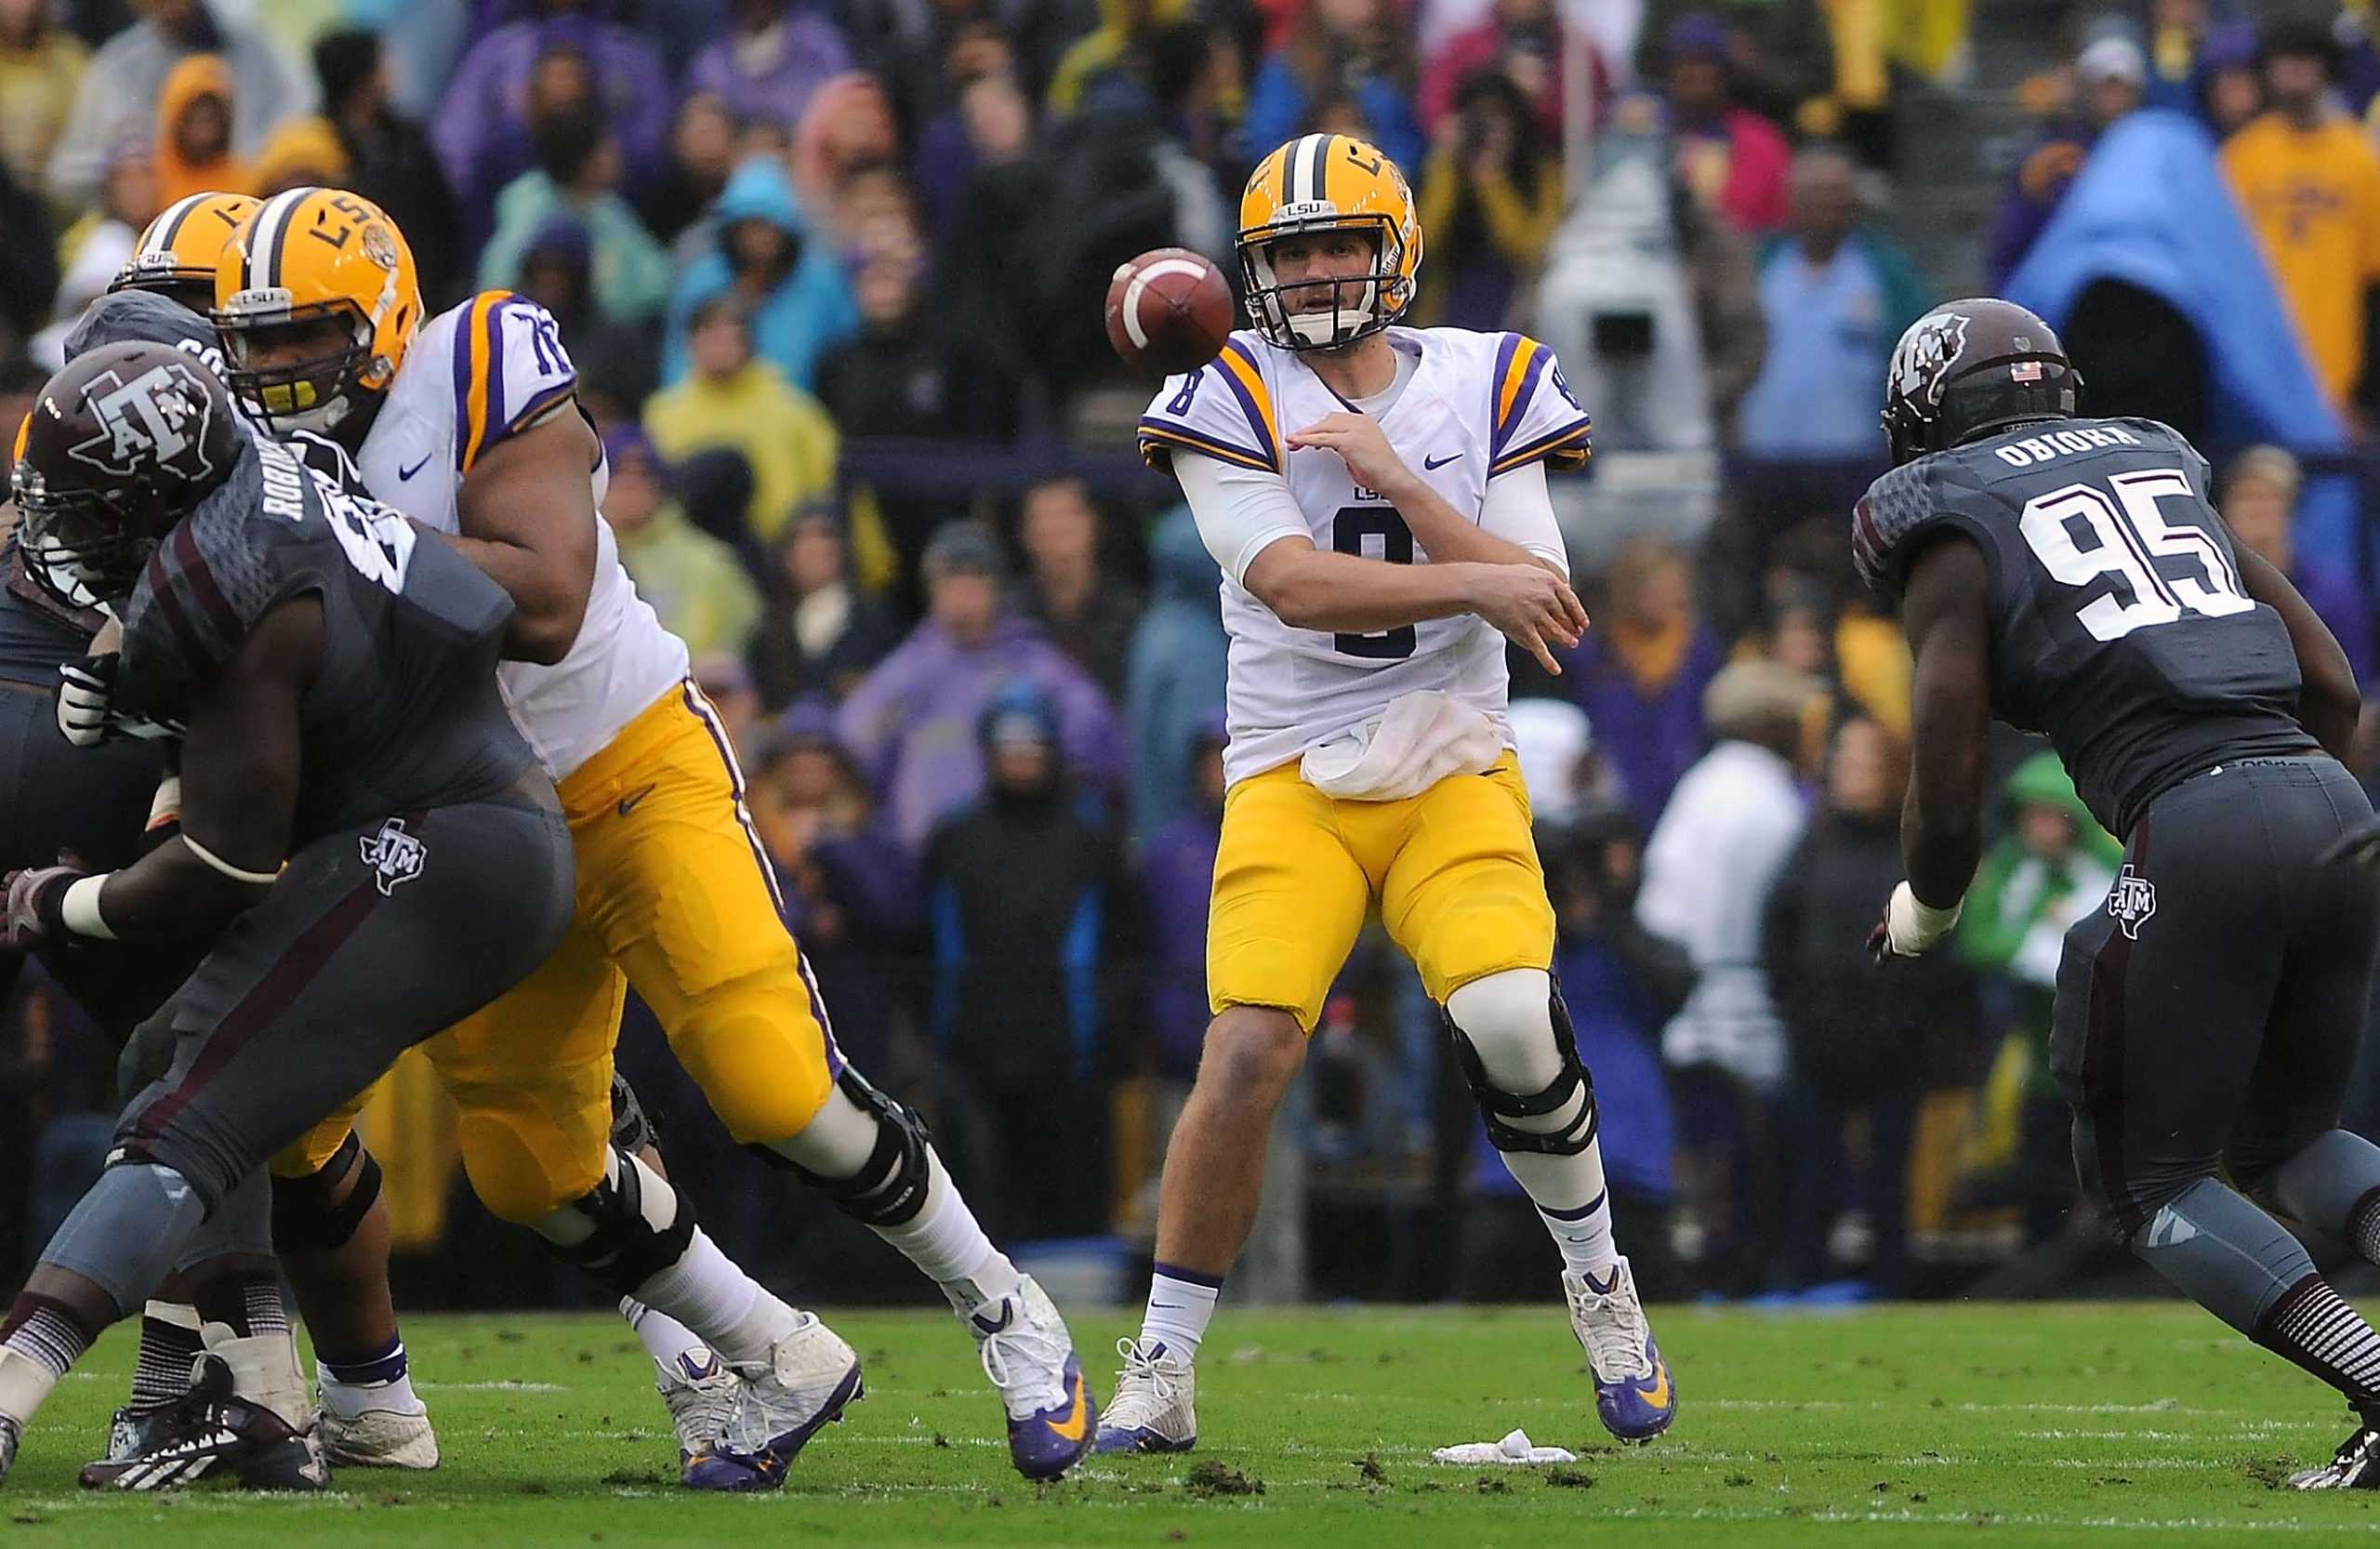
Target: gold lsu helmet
[304,260]
[1317,184]
[177,254]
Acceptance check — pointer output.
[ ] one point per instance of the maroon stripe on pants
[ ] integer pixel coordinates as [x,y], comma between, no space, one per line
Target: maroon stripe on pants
[2103,1055]
[272,995]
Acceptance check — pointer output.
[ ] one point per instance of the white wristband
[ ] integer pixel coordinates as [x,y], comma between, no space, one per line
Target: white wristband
[1911,926]
[79,907]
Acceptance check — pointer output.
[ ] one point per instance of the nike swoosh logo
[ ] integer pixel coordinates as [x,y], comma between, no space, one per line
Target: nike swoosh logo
[1658,1393]
[628,802]
[1432,464]
[1008,1315]
[409,472]
[1077,1421]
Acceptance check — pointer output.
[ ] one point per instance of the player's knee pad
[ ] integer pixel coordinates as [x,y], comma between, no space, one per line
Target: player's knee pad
[632,1127]
[890,1187]
[310,1214]
[760,1056]
[624,1230]
[1497,1017]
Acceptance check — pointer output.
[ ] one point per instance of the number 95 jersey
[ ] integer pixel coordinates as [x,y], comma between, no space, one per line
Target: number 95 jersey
[1474,406]
[2120,627]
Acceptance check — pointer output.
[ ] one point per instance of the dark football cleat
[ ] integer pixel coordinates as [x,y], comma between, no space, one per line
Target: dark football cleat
[213,1430]
[2356,1465]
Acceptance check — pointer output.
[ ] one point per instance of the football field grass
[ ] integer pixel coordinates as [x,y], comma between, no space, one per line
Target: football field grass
[2036,1424]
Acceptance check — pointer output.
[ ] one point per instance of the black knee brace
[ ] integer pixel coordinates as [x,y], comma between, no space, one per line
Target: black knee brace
[626,1248]
[306,1212]
[891,1188]
[1497,1104]
[632,1127]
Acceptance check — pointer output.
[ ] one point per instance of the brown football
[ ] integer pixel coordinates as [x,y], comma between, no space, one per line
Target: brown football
[1169,311]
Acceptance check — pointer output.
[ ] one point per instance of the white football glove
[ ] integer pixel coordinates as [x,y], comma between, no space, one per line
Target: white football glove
[1910,927]
[84,686]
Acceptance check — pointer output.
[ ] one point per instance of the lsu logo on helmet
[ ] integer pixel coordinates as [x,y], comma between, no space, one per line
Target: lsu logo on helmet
[1312,186]
[330,267]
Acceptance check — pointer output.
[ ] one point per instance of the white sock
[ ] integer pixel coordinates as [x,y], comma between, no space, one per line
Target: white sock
[1581,1232]
[1181,1303]
[349,1400]
[946,1242]
[673,1346]
[721,1304]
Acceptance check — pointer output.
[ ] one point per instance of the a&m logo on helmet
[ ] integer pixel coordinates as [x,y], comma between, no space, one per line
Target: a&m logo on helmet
[1923,358]
[157,421]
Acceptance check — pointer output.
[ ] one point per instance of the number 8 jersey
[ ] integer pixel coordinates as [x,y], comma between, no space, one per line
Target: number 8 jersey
[1473,406]
[2120,627]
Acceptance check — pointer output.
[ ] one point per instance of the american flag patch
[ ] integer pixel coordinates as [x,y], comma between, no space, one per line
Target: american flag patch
[2025,371]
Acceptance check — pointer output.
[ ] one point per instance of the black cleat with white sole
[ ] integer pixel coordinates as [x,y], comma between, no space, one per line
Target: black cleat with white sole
[212,1430]
[2356,1465]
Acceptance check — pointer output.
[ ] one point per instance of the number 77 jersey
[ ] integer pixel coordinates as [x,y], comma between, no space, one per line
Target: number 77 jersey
[2120,627]
[1471,407]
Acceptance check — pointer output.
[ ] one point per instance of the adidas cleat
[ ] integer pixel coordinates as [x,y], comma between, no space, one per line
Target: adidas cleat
[1634,1394]
[2356,1465]
[213,1429]
[812,1377]
[1152,1412]
[701,1397]
[1030,1357]
[9,1432]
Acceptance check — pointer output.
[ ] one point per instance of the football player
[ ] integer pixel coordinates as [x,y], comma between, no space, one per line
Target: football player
[334,1240]
[1376,498]
[2073,577]
[469,422]
[352,794]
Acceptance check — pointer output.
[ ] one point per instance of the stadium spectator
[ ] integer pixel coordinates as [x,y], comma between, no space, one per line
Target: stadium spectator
[1491,195]
[2259,502]
[820,634]
[1835,297]
[768,255]
[911,370]
[1850,1034]
[1030,906]
[703,147]
[1521,40]
[1085,609]
[776,55]
[732,399]
[1114,47]
[1731,158]
[2178,31]
[849,125]
[1351,49]
[2112,73]
[390,161]
[120,91]
[1177,870]
[1724,282]
[562,54]
[695,582]
[2051,868]
[578,174]
[94,248]
[1173,680]
[2309,182]
[852,894]
[912,722]
[40,62]
[715,486]
[193,148]
[946,148]
[1641,672]
[27,265]
[985,254]
[619,363]
[2231,91]
[304,152]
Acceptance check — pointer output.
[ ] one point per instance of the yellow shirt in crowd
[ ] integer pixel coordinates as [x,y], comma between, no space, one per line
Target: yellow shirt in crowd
[2312,197]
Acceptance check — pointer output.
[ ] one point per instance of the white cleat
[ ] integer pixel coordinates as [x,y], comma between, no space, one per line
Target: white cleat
[701,1397]
[1634,1394]
[378,1439]
[1030,1357]
[810,1378]
[1152,1410]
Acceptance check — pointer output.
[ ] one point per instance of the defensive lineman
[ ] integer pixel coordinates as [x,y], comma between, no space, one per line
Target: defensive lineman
[1375,560]
[2071,575]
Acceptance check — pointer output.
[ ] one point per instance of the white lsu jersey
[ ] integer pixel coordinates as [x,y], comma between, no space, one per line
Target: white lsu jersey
[1476,405]
[476,374]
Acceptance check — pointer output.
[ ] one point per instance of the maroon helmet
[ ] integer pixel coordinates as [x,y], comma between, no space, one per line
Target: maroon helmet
[1968,368]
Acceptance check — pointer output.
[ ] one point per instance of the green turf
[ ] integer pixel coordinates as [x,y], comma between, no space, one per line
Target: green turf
[2039,1424]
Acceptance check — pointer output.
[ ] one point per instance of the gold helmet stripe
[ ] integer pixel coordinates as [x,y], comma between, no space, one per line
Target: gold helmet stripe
[167,227]
[271,235]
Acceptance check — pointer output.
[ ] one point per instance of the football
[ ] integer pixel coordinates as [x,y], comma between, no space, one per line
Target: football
[1169,311]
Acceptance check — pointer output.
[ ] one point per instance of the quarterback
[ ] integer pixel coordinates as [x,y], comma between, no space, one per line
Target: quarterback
[468,422]
[1376,498]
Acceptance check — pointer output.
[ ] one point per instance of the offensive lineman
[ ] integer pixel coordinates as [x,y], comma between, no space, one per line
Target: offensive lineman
[468,422]
[2071,575]
[1375,560]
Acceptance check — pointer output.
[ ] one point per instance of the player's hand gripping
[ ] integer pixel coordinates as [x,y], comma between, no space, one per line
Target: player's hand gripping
[1363,446]
[1535,608]
[34,894]
[1910,926]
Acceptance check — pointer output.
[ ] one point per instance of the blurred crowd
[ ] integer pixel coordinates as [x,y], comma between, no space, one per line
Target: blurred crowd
[829,271]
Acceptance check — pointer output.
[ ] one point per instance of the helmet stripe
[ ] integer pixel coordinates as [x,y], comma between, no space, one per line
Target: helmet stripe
[1317,176]
[273,225]
[168,226]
